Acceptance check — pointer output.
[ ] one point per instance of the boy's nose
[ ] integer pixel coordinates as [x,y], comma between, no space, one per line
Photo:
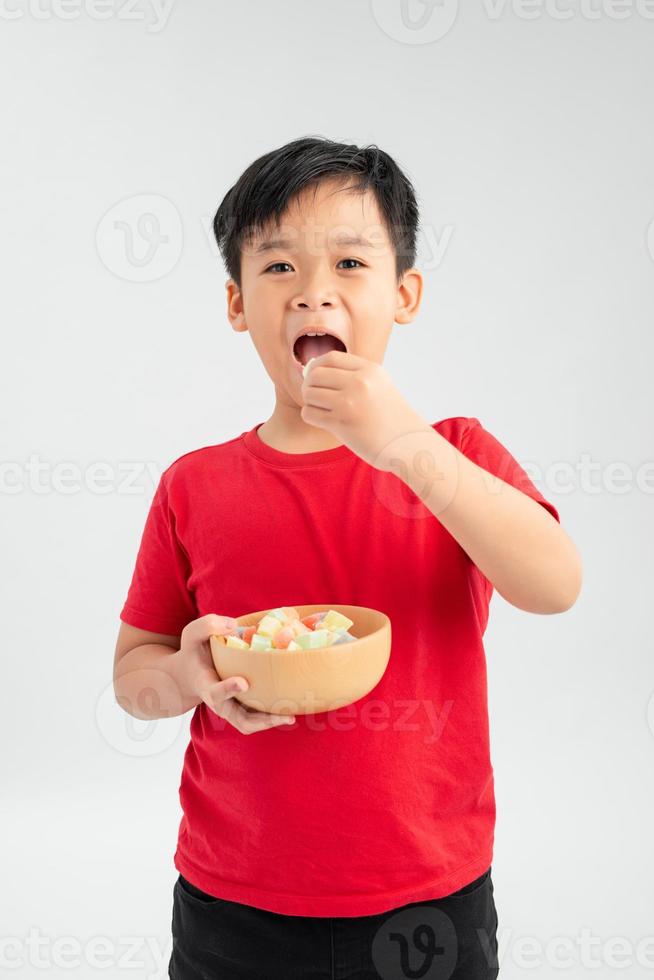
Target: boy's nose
[313,301]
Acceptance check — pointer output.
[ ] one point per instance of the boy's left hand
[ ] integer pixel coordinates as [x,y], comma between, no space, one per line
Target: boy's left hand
[355,399]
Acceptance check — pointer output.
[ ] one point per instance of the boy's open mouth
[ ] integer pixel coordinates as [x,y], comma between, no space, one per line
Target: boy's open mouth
[307,346]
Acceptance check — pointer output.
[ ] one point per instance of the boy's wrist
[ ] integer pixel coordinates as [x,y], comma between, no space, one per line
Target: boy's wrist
[150,683]
[178,665]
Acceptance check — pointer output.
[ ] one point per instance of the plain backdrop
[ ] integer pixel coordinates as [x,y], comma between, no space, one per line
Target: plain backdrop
[528,134]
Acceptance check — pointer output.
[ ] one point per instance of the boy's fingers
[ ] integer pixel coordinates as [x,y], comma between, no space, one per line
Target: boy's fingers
[201,629]
[257,721]
[220,698]
[216,691]
[248,722]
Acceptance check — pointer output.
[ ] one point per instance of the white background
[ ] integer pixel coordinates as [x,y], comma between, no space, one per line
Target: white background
[528,136]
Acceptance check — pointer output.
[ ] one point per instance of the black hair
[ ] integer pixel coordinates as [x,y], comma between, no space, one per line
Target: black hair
[266,188]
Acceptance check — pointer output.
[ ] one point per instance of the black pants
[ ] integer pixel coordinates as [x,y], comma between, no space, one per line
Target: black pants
[452,938]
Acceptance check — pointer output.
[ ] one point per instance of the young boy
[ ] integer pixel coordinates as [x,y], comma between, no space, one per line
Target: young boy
[326,848]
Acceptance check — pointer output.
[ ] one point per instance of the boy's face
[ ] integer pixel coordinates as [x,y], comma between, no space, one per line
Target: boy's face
[303,276]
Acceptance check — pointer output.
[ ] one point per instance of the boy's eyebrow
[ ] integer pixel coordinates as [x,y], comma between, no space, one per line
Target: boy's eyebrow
[272,243]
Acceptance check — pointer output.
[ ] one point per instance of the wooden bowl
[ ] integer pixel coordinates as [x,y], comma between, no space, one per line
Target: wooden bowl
[302,682]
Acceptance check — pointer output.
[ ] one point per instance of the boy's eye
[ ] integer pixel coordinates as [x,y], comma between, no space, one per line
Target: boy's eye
[276,264]
[270,268]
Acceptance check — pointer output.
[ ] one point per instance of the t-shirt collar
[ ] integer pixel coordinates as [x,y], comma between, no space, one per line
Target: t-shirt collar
[263,451]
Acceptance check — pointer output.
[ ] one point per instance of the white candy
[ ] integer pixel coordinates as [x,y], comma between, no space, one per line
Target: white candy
[306,367]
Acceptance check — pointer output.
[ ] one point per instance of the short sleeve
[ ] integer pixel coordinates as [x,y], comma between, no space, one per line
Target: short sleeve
[159,599]
[486,451]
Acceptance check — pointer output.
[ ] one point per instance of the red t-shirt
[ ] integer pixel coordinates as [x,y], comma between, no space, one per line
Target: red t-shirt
[380,803]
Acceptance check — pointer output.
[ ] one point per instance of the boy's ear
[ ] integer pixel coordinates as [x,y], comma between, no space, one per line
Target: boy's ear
[409,294]
[235,312]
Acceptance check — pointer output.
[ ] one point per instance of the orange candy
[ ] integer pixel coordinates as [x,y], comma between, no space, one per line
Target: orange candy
[311,620]
[248,633]
[283,637]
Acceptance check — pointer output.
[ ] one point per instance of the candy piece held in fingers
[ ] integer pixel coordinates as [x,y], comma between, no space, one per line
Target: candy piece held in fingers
[306,366]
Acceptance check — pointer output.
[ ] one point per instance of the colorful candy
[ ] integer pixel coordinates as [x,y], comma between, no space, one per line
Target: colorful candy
[282,629]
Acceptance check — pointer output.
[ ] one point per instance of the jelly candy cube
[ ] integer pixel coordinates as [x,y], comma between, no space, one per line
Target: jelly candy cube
[269,625]
[313,639]
[237,642]
[282,638]
[334,619]
[260,642]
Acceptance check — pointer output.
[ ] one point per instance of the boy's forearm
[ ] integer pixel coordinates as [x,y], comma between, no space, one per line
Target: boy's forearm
[516,543]
[147,683]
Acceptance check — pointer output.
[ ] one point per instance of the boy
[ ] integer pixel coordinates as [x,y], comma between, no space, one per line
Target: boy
[327,847]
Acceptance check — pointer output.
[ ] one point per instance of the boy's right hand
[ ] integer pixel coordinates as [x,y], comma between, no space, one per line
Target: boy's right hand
[198,675]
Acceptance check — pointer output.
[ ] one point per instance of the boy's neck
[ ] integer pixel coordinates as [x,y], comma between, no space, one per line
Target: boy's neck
[287,432]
